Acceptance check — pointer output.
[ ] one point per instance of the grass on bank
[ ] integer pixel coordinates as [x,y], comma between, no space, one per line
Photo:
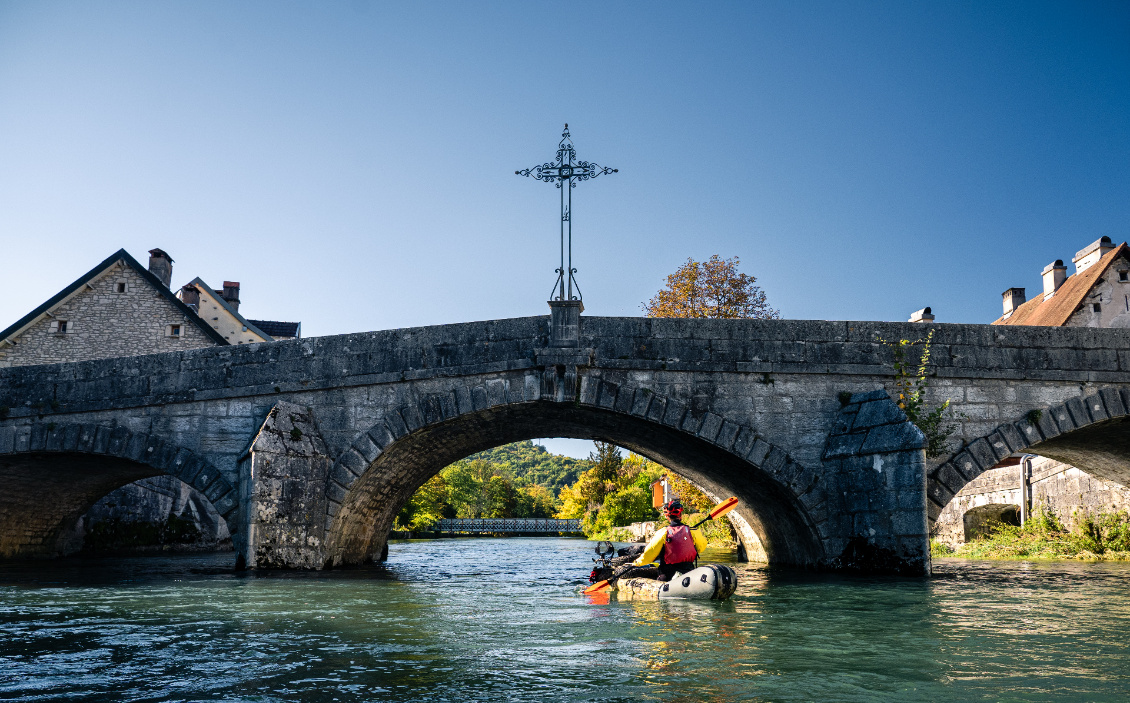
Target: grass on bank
[1101,537]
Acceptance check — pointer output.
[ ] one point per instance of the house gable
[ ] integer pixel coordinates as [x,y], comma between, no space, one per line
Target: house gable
[224,319]
[118,308]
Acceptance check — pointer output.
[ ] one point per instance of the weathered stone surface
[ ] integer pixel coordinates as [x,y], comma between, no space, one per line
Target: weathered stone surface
[745,407]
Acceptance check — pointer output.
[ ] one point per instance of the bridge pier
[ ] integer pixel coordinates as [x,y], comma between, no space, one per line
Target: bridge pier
[282,500]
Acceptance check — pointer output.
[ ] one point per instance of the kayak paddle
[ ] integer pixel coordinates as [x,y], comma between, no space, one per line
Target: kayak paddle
[718,511]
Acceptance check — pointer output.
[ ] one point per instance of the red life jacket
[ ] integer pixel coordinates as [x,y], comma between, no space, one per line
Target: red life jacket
[680,545]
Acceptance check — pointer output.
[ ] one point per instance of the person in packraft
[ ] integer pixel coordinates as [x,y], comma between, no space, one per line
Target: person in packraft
[677,546]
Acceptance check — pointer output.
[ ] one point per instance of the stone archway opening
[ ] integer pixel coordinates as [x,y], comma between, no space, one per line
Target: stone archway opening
[52,500]
[979,521]
[359,531]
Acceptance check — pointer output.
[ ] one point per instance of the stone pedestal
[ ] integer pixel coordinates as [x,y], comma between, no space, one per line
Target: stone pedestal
[565,323]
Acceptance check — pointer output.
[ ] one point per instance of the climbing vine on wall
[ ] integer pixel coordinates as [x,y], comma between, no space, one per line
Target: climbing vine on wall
[912,379]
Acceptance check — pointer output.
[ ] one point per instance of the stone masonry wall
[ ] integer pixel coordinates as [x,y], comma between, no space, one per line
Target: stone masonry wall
[1067,492]
[102,323]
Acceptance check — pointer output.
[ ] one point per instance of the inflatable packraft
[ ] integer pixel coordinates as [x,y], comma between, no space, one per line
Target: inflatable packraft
[708,582]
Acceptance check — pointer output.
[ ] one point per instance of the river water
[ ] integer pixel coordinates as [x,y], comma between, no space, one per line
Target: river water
[502,619]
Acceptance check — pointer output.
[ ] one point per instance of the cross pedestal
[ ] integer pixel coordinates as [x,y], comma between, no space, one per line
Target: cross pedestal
[565,323]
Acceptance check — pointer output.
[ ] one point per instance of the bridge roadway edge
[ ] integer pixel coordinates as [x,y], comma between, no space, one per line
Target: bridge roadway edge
[212,401]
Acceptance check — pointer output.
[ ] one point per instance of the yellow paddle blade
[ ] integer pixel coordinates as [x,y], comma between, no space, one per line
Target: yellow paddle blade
[597,588]
[724,507]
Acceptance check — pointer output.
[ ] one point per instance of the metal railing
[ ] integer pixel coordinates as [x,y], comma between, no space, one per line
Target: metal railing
[507,525]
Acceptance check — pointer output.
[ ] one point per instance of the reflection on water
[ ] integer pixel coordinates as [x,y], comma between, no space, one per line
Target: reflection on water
[502,619]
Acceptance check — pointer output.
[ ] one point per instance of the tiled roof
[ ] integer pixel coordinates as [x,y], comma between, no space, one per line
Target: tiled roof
[1056,310]
[278,329]
[123,255]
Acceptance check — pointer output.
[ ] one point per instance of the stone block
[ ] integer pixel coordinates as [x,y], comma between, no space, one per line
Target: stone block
[395,424]
[908,522]
[7,440]
[1095,407]
[983,452]
[967,465]
[657,409]
[640,400]
[843,445]
[352,462]
[367,448]
[867,396]
[727,434]
[1080,417]
[1047,424]
[950,477]
[217,489]
[691,422]
[1062,417]
[744,441]
[335,491]
[878,412]
[711,424]
[1013,439]
[891,438]
[590,387]
[673,412]
[608,393]
[479,399]
[1112,401]
[758,452]
[774,461]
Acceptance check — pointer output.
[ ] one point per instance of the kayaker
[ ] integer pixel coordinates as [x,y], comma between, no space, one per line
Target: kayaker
[677,546]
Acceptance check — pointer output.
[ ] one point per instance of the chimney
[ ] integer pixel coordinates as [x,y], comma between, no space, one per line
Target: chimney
[190,296]
[1013,298]
[1090,255]
[161,266]
[231,294]
[1054,275]
[923,315]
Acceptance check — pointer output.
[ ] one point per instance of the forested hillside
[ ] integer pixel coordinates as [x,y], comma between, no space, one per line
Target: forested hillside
[531,463]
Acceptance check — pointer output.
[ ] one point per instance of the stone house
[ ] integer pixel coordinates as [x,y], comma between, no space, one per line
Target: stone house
[1096,295]
[118,308]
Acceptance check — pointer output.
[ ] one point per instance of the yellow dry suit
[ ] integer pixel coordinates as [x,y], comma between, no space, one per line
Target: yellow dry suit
[659,541]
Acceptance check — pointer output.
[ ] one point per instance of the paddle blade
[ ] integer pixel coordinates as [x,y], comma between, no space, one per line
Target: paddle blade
[723,508]
[598,587]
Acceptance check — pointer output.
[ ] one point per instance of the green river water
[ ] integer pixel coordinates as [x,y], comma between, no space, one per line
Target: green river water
[502,619]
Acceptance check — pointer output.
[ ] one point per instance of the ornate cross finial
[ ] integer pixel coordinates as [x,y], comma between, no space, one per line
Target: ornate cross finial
[566,169]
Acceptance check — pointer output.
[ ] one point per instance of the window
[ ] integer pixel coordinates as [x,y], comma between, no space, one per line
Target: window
[1124,275]
[120,287]
[173,331]
[58,327]
[1096,307]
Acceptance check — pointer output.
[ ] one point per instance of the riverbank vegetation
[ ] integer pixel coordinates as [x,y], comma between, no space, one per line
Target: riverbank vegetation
[1100,537]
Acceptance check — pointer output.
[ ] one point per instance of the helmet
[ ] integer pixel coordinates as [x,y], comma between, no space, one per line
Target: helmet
[673,507]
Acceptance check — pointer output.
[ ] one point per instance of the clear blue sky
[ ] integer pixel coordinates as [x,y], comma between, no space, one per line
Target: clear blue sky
[352,163]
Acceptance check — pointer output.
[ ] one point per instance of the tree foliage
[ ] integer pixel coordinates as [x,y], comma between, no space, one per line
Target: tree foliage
[714,289]
[912,379]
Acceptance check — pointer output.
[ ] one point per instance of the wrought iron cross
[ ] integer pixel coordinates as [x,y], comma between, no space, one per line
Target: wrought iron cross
[566,169]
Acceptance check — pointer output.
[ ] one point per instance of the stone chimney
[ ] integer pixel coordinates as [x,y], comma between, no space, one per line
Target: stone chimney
[231,294]
[161,266]
[1013,298]
[923,315]
[1054,275]
[1090,255]
[190,296]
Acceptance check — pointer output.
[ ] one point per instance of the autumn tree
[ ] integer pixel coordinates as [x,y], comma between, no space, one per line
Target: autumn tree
[713,288]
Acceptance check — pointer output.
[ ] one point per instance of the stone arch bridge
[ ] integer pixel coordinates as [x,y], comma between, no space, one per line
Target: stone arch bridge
[309,447]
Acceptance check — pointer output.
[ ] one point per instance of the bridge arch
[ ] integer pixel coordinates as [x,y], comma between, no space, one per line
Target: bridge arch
[53,473]
[782,501]
[1092,433]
